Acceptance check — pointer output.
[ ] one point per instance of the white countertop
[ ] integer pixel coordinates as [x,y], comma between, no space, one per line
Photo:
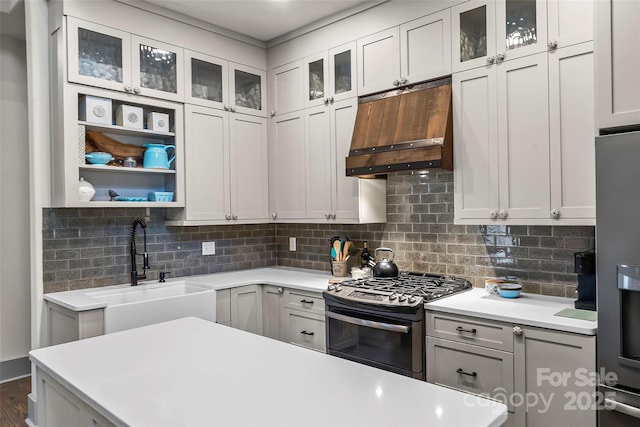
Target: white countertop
[190,372]
[528,309]
[310,280]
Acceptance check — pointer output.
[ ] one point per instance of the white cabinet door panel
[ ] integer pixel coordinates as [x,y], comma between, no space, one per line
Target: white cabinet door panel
[286,88]
[318,148]
[523,104]
[346,189]
[378,61]
[246,308]
[287,160]
[475,130]
[570,22]
[249,175]
[572,125]
[473,34]
[207,160]
[425,47]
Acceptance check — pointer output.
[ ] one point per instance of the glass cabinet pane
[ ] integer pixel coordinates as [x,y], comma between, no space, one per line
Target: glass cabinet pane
[520,24]
[99,55]
[473,34]
[248,90]
[206,80]
[316,79]
[342,72]
[158,69]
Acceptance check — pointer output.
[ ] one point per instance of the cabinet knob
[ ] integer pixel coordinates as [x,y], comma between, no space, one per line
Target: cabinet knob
[504,214]
[327,215]
[552,45]
[493,214]
[491,59]
[280,290]
[232,109]
[500,57]
[396,82]
[326,101]
[331,99]
[555,214]
[333,215]
[274,215]
[234,217]
[404,81]
[136,90]
[128,88]
[517,330]
[226,107]
[228,217]
[273,113]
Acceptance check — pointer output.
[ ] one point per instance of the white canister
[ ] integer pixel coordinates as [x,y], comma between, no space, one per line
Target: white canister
[95,110]
[85,190]
[129,116]
[158,122]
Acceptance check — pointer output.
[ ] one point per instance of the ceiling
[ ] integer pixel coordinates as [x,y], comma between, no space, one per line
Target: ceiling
[260,19]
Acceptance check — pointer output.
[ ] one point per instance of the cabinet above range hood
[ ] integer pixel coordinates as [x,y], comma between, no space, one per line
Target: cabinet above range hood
[404,129]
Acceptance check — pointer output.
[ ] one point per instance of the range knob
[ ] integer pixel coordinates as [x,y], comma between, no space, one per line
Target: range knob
[392,296]
[412,299]
[338,288]
[331,288]
[402,298]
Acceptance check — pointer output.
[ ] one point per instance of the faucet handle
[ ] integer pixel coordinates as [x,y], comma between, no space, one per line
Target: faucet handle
[162,276]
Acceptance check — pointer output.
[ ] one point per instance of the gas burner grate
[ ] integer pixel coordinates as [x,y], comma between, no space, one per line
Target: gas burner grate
[426,285]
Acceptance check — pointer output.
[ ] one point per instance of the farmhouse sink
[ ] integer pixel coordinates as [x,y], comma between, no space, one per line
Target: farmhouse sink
[131,307]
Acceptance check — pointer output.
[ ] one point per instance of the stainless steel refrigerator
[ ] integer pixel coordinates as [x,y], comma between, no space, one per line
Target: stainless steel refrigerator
[618,277]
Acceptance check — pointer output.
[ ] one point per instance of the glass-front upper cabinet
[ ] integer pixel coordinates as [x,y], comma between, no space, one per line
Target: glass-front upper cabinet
[489,32]
[248,90]
[112,59]
[207,80]
[329,76]
[98,55]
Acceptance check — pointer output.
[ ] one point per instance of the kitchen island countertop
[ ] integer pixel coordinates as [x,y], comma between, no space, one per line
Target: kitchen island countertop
[191,372]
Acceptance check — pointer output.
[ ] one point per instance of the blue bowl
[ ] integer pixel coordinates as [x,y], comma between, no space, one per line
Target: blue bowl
[509,290]
[98,158]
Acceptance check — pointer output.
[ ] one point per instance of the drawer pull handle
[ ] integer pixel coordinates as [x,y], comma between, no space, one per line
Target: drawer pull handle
[470,374]
[304,301]
[461,329]
[307,333]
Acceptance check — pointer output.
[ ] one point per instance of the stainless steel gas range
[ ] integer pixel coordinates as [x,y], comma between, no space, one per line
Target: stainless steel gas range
[380,321]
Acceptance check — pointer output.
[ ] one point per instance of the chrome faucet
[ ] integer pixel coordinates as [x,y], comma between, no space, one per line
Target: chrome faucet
[145,256]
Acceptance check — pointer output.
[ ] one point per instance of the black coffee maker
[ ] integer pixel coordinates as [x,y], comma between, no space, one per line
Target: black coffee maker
[585,267]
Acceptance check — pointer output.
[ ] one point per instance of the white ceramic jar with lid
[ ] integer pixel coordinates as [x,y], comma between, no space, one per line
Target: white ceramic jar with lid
[85,190]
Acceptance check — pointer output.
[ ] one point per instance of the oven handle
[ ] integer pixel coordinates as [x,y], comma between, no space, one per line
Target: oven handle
[369,323]
[632,411]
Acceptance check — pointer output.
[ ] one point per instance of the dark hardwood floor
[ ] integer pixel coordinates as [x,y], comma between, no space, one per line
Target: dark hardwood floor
[13,402]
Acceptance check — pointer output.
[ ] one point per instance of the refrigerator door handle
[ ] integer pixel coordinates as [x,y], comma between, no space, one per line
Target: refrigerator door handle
[623,408]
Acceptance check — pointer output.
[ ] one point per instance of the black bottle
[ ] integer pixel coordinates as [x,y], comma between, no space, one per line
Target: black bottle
[365,255]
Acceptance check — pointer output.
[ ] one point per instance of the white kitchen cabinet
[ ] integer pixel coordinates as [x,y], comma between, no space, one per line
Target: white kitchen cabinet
[569,22]
[246,308]
[485,32]
[303,321]
[493,180]
[109,58]
[425,47]
[272,306]
[64,325]
[519,365]
[247,86]
[226,168]
[330,76]
[70,131]
[572,132]
[617,63]
[286,88]
[541,357]
[412,52]
[287,166]
[322,191]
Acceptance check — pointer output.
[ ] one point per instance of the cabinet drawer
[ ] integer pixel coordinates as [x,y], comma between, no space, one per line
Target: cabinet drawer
[470,330]
[307,301]
[304,329]
[470,368]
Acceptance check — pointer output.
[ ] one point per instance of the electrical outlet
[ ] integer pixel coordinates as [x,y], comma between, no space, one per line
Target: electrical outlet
[292,244]
[208,248]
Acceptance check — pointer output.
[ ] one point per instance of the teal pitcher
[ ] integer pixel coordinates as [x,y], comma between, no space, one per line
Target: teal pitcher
[155,156]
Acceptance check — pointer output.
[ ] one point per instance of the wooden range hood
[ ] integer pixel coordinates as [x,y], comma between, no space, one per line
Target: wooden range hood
[404,129]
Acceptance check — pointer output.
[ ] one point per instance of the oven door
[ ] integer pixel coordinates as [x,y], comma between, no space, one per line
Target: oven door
[376,340]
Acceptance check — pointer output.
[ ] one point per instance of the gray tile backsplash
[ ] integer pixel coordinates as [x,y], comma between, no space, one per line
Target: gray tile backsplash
[86,248]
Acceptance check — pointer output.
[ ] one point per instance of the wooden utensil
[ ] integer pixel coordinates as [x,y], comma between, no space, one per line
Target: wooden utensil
[336,246]
[345,249]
